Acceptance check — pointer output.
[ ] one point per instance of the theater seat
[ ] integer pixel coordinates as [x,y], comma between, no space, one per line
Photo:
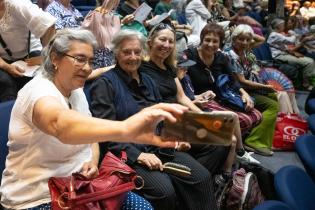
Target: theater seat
[310,106]
[272,205]
[305,148]
[295,188]
[5,112]
[311,123]
[84,6]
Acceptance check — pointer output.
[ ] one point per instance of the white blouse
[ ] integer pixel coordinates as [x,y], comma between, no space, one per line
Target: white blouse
[20,17]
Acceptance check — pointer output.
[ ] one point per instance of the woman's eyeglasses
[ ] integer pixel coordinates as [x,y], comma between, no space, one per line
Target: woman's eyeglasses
[80,61]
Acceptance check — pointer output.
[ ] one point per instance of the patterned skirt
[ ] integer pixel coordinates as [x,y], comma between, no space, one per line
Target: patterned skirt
[248,120]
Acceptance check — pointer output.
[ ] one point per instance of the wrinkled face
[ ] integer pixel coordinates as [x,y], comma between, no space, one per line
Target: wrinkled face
[242,41]
[210,43]
[163,44]
[129,55]
[75,66]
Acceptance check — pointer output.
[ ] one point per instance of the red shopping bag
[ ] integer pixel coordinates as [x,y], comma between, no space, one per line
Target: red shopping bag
[288,128]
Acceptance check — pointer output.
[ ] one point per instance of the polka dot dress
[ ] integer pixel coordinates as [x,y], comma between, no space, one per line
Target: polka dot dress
[136,202]
[133,202]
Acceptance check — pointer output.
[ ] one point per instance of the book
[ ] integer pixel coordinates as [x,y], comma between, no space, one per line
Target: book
[142,12]
[30,71]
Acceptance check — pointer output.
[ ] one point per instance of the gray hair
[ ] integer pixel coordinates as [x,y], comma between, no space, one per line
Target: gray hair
[127,34]
[61,43]
[276,22]
[242,29]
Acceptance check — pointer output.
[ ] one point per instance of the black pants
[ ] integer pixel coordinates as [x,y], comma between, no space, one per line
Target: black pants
[211,157]
[9,85]
[167,191]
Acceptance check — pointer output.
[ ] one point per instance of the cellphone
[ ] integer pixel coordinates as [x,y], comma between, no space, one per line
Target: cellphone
[214,127]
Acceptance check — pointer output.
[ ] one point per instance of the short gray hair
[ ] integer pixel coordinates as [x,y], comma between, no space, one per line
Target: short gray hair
[242,29]
[127,34]
[60,44]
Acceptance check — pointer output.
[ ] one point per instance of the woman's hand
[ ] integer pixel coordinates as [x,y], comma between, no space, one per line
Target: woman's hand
[15,71]
[150,160]
[128,19]
[249,104]
[183,146]
[141,127]
[271,88]
[204,97]
[89,170]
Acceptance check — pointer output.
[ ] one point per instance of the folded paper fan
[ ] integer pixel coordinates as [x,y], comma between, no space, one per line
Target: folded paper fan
[277,79]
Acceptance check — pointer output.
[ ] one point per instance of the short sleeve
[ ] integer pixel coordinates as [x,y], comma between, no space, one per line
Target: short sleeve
[32,92]
[234,63]
[32,16]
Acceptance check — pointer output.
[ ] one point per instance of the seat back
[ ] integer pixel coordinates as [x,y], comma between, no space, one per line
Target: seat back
[263,52]
[295,188]
[305,148]
[5,113]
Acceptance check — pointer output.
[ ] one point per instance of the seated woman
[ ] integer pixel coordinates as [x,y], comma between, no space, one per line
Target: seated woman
[161,68]
[51,132]
[124,91]
[18,19]
[210,63]
[283,48]
[67,15]
[258,140]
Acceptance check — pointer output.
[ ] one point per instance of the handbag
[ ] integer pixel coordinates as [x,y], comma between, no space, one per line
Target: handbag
[288,128]
[107,191]
[103,23]
[228,94]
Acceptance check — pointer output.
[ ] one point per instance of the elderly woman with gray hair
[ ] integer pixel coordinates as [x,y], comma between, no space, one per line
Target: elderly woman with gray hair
[51,132]
[245,71]
[124,91]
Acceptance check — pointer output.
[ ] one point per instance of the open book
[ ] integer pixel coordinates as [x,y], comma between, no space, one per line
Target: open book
[30,71]
[142,12]
[159,18]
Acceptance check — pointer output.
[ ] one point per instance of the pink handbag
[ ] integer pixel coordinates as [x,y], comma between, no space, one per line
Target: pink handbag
[103,23]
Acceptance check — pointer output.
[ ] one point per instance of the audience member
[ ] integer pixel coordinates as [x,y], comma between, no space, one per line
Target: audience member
[243,39]
[67,15]
[18,19]
[51,132]
[283,48]
[124,91]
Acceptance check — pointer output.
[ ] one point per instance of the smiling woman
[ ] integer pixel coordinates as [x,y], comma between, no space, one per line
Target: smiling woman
[51,131]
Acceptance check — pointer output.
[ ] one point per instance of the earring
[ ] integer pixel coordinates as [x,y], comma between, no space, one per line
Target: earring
[56,68]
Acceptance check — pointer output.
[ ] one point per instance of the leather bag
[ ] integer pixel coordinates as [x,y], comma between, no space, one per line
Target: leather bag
[107,191]
[103,23]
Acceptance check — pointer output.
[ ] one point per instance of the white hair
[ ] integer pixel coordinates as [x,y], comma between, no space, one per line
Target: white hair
[242,29]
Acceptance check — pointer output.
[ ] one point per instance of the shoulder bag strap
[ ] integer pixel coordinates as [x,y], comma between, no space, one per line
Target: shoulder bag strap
[4,45]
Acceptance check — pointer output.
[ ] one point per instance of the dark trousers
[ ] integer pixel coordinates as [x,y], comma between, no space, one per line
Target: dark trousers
[211,157]
[9,85]
[167,191]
